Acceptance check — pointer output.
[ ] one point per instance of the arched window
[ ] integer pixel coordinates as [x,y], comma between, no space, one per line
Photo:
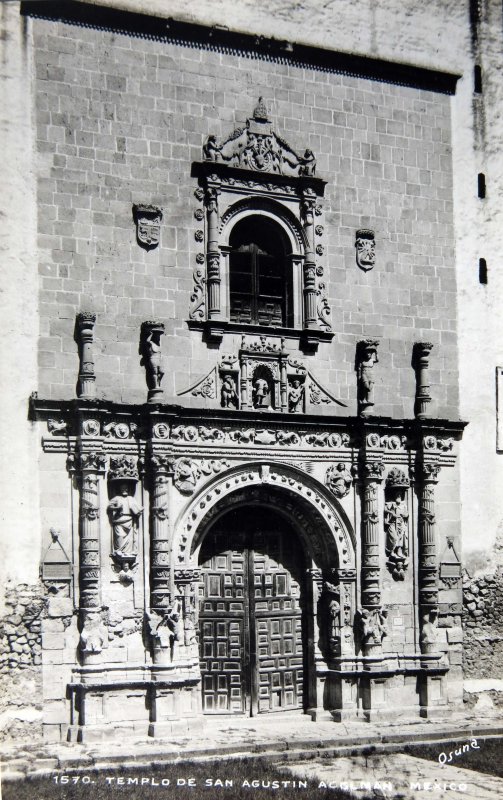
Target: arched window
[260,274]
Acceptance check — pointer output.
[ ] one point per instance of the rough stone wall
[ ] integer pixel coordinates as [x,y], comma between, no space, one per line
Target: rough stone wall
[20,663]
[482,615]
[120,120]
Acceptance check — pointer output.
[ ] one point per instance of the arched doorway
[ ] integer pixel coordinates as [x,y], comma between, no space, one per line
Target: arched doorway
[252,614]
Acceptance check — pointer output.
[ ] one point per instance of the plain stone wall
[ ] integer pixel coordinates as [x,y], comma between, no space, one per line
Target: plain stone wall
[482,613]
[119,121]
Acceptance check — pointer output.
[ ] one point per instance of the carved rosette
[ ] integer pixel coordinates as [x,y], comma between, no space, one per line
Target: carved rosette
[366,357]
[371,474]
[161,470]
[86,386]
[428,574]
[421,361]
[338,479]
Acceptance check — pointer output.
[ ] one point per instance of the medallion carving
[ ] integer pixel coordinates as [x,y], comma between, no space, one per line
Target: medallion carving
[339,480]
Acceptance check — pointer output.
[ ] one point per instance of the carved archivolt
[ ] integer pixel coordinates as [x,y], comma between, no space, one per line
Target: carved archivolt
[330,534]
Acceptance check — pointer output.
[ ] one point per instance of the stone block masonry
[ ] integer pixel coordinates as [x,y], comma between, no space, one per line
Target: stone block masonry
[120,121]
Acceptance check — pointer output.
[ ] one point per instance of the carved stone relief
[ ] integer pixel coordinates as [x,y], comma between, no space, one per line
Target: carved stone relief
[148,225]
[151,359]
[257,147]
[396,523]
[338,479]
[365,249]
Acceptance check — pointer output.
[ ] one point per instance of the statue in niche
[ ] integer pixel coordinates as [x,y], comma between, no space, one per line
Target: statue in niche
[307,164]
[124,513]
[296,397]
[261,393]
[228,394]
[396,523]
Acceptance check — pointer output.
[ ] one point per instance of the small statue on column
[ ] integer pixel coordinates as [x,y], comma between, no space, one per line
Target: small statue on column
[150,351]
[366,357]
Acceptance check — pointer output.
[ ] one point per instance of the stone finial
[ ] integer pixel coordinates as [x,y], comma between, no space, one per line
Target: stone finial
[151,359]
[86,388]
[366,357]
[420,362]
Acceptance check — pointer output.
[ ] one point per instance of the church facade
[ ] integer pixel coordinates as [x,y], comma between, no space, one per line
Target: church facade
[247,414]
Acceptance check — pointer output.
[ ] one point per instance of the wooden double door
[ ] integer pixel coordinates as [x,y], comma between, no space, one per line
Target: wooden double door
[251,615]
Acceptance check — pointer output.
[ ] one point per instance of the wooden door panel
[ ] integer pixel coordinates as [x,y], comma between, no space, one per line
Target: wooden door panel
[251,621]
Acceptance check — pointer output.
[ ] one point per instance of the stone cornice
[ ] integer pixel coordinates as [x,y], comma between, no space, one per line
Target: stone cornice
[162,29]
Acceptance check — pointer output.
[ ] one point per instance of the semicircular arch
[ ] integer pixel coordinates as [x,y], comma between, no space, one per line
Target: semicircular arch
[319,520]
[272,209]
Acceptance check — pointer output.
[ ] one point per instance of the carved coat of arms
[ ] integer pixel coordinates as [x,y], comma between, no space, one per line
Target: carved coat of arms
[148,225]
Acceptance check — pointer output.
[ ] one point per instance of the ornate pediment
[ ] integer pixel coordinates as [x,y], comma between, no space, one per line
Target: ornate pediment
[258,147]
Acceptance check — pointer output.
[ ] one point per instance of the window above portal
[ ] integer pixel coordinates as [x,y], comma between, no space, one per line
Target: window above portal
[262,264]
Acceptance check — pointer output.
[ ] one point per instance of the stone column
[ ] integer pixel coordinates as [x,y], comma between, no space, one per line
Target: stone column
[213,254]
[160,616]
[86,385]
[366,357]
[93,638]
[420,361]
[372,473]
[428,579]
[307,207]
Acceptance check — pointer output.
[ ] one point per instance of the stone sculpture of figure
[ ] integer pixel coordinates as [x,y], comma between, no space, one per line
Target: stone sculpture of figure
[367,357]
[260,392]
[150,351]
[211,150]
[228,395]
[173,620]
[94,636]
[428,637]
[396,517]
[124,513]
[295,396]
[189,631]
[374,626]
[307,164]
